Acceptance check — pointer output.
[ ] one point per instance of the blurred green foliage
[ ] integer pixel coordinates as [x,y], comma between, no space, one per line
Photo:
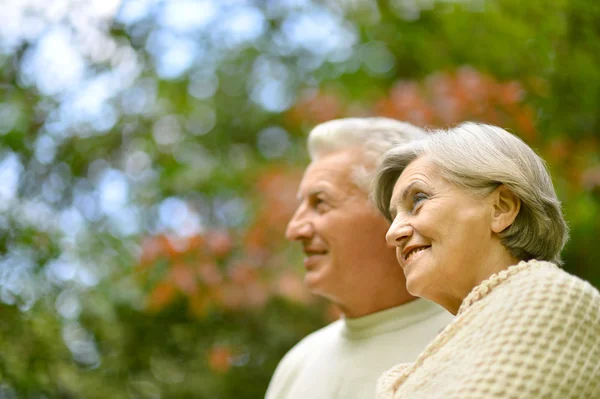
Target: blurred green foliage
[150,153]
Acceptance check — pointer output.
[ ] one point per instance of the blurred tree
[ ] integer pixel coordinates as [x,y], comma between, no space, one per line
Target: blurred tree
[150,153]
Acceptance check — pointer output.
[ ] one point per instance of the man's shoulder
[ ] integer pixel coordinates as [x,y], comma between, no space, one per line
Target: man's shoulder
[291,365]
[319,337]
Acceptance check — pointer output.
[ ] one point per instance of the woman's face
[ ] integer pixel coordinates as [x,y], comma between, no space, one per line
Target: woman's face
[442,234]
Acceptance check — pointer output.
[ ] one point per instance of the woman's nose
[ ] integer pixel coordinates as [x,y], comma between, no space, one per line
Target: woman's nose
[398,232]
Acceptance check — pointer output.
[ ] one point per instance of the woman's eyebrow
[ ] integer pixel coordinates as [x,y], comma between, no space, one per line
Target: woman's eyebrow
[403,196]
[408,189]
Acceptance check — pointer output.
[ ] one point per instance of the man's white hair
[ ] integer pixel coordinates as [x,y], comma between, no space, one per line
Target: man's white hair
[373,135]
[480,158]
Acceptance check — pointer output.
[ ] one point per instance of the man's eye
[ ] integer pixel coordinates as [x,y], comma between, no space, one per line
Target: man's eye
[320,204]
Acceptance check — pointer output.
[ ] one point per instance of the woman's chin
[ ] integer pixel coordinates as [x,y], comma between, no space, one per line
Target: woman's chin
[414,286]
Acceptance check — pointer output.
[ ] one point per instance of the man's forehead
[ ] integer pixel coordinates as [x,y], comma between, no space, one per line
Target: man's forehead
[316,181]
[331,172]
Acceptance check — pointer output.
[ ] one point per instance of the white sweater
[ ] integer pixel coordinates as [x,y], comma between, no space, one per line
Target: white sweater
[345,358]
[531,331]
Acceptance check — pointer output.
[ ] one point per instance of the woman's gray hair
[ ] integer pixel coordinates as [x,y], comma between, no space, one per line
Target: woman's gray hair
[480,158]
[373,135]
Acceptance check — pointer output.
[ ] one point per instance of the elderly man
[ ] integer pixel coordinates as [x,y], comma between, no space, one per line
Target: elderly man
[348,261]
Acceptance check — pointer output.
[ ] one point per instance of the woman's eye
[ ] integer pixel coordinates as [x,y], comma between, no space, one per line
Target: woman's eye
[417,198]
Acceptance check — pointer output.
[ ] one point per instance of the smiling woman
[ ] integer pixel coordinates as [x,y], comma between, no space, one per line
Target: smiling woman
[437,229]
[478,229]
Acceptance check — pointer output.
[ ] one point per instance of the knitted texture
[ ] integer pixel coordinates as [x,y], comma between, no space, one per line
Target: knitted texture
[530,331]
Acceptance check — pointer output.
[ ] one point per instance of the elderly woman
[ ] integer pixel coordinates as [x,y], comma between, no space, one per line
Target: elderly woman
[478,229]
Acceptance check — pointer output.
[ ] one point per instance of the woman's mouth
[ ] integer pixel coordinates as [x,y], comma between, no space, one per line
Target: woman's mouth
[414,252]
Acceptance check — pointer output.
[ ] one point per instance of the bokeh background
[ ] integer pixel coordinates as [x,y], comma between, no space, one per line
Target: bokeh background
[150,152]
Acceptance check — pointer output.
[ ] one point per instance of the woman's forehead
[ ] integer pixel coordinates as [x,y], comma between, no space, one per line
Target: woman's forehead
[422,168]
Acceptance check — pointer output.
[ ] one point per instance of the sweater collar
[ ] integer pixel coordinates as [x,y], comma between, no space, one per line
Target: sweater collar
[389,319]
[488,285]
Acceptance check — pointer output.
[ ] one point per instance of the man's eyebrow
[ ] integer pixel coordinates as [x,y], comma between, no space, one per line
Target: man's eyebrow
[311,193]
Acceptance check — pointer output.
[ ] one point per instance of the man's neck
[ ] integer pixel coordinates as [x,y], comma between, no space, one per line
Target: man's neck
[367,307]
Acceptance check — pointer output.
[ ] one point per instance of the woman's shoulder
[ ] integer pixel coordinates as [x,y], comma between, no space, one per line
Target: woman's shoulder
[533,290]
[391,379]
[546,321]
[544,296]
[544,281]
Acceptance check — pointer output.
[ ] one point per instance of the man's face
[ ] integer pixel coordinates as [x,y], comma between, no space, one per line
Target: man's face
[342,234]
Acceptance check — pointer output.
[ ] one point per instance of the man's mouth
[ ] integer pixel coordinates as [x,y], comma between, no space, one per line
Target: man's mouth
[312,256]
[315,252]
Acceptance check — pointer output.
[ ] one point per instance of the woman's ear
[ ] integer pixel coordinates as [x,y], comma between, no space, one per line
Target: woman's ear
[506,208]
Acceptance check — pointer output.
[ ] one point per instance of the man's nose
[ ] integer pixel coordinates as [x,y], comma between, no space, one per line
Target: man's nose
[299,227]
[398,232]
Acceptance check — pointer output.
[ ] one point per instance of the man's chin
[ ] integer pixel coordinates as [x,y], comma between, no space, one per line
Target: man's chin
[317,288]
[313,280]
[313,262]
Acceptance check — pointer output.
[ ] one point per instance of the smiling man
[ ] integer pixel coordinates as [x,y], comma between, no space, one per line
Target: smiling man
[348,261]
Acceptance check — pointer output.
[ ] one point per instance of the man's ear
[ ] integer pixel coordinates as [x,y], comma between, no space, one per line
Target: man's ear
[506,208]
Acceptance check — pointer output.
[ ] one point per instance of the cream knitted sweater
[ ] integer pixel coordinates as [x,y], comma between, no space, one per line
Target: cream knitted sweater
[531,331]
